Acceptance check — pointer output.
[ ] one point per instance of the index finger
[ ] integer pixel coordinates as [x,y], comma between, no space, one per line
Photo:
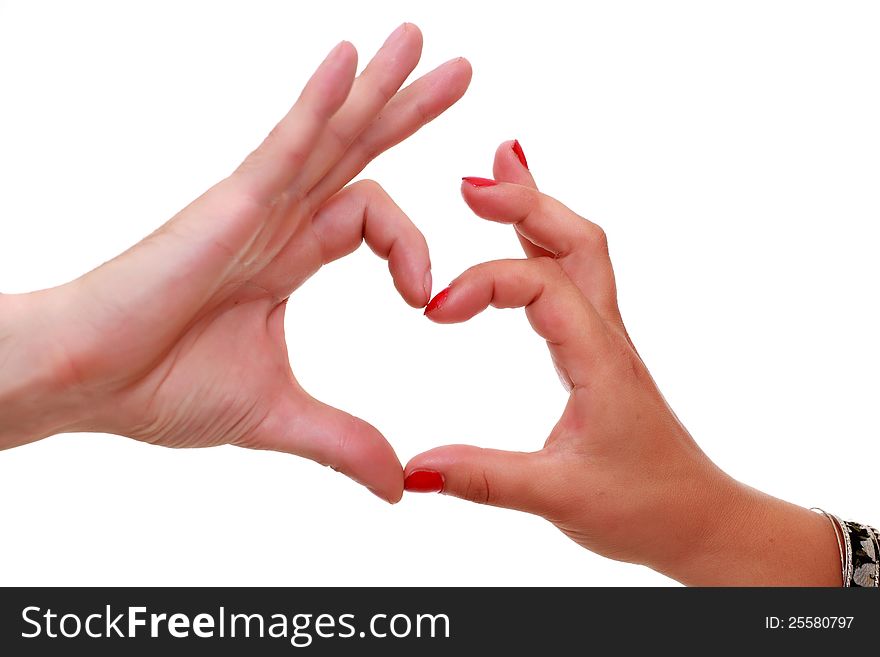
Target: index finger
[554,306]
[580,246]
[273,165]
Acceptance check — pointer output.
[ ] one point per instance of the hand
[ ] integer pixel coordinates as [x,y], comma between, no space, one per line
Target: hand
[619,473]
[180,340]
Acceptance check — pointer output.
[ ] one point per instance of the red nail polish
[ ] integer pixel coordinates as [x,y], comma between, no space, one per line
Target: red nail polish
[479,182]
[437,302]
[424,481]
[519,153]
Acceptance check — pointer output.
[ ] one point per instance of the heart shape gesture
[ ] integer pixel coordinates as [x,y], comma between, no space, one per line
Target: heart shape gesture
[180,340]
[619,473]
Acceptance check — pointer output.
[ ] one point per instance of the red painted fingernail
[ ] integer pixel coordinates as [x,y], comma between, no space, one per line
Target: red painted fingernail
[437,302]
[517,148]
[423,481]
[479,182]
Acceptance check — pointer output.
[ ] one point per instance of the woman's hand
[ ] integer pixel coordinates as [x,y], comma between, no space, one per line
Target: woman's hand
[619,473]
[180,340]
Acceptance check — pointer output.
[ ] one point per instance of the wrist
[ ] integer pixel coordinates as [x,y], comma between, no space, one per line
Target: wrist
[748,538]
[37,396]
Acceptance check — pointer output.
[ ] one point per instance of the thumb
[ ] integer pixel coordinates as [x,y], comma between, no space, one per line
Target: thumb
[316,431]
[524,481]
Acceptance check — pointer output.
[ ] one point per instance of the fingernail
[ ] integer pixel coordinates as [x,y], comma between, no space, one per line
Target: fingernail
[423,481]
[379,495]
[428,284]
[517,148]
[396,33]
[479,182]
[333,55]
[333,52]
[437,302]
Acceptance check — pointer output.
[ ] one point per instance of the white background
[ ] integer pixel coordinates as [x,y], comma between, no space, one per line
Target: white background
[731,151]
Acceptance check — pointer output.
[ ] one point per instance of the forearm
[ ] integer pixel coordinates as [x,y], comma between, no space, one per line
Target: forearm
[36,399]
[754,539]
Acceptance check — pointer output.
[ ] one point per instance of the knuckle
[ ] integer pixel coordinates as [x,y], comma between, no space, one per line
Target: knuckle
[370,188]
[593,236]
[422,113]
[477,488]
[534,208]
[484,269]
[278,142]
[340,139]
[384,91]
[343,444]
[366,151]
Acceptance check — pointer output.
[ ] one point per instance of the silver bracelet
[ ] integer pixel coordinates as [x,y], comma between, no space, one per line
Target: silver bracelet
[838,530]
[848,570]
[859,549]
